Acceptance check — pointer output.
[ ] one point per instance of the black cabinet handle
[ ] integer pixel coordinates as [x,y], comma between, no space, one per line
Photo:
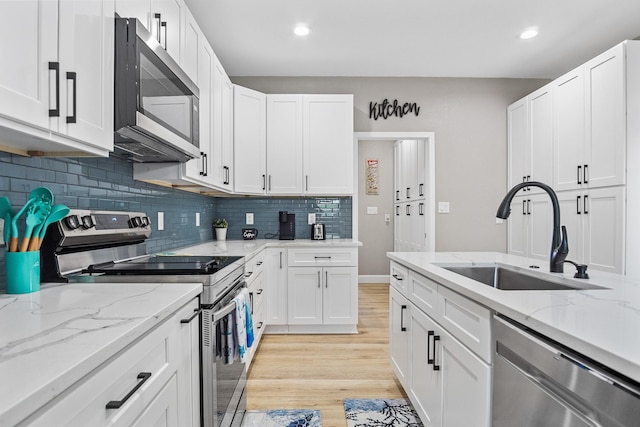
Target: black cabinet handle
[584,175]
[421,189]
[322,257]
[264,182]
[116,404]
[280,260]
[55,66]
[72,76]
[397,210]
[436,367]
[306,182]
[408,210]
[202,157]
[326,279]
[421,209]
[158,17]
[259,291]
[397,194]
[260,325]
[528,206]
[395,276]
[164,26]
[578,205]
[584,205]
[269,182]
[579,173]
[259,263]
[524,207]
[430,359]
[195,314]
[226,175]
[402,309]
[408,192]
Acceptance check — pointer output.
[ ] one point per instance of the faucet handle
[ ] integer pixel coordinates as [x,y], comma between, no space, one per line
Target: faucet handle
[563,248]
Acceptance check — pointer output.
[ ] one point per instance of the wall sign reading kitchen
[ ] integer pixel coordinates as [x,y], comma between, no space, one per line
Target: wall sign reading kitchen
[387,109]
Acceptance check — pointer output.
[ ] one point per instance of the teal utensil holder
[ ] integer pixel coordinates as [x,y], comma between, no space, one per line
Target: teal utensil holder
[23,272]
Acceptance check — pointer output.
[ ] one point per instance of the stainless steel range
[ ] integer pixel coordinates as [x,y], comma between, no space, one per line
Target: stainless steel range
[107,246]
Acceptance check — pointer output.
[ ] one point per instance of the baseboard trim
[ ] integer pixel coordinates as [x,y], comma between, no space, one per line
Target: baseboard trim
[381,278]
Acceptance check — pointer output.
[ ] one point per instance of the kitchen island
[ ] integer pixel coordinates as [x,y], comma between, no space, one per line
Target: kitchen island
[602,324]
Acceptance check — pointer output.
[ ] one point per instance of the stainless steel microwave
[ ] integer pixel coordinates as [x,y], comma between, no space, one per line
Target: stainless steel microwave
[156,104]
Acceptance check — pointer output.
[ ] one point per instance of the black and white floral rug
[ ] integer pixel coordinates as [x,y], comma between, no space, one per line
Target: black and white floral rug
[282,418]
[380,413]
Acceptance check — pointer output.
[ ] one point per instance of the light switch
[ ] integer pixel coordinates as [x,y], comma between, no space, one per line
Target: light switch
[160,221]
[249,218]
[443,207]
[197,219]
[372,210]
[387,217]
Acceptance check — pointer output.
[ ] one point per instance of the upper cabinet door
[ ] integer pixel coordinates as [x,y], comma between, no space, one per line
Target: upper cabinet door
[86,49]
[328,144]
[540,149]
[569,132]
[249,136]
[28,42]
[517,126]
[284,144]
[166,25]
[605,116]
[139,9]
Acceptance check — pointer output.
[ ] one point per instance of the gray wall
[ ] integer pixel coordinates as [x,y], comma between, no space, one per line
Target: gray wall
[376,235]
[468,117]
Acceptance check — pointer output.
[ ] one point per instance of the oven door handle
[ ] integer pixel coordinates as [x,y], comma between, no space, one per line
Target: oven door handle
[220,314]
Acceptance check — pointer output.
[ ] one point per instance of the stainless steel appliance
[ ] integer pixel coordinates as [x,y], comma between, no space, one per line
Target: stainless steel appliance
[156,104]
[287,225]
[105,246]
[317,232]
[538,382]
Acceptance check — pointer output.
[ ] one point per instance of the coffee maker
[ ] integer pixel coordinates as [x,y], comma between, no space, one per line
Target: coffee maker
[287,225]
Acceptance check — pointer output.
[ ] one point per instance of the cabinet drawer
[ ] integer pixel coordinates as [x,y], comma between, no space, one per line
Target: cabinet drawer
[85,403]
[466,320]
[423,293]
[254,266]
[316,257]
[399,278]
[256,292]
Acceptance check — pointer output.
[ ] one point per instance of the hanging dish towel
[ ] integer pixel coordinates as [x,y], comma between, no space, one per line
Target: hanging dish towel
[249,318]
[244,323]
[228,342]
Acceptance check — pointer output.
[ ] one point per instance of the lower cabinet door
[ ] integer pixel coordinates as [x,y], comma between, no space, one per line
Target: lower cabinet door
[340,295]
[305,296]
[399,336]
[426,381]
[163,410]
[466,385]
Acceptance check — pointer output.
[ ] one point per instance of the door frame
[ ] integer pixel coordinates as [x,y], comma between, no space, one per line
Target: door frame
[429,137]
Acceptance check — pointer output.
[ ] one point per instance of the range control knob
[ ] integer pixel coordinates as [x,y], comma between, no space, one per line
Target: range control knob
[72,221]
[88,222]
[135,222]
[145,221]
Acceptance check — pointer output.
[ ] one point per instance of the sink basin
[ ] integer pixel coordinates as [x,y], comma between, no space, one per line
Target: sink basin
[508,279]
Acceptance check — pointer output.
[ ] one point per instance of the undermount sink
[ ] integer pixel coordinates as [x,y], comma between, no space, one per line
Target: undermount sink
[508,279]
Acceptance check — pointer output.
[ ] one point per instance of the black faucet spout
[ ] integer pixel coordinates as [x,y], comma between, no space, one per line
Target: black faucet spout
[559,243]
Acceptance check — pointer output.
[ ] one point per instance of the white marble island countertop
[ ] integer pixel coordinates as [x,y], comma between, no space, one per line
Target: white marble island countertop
[603,324]
[52,338]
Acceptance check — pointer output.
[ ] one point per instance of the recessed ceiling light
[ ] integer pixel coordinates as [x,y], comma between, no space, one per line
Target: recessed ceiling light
[301,30]
[529,33]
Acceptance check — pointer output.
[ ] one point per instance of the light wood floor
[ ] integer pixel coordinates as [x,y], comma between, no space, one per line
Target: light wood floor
[319,371]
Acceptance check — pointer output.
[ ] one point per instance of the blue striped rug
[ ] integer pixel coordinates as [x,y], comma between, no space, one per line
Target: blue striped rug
[380,412]
[282,418]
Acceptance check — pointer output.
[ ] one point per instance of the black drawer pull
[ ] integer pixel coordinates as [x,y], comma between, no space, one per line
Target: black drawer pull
[195,314]
[259,292]
[436,367]
[116,404]
[395,276]
[402,309]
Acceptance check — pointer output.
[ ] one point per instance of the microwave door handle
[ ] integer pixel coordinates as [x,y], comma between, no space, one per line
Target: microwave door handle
[220,314]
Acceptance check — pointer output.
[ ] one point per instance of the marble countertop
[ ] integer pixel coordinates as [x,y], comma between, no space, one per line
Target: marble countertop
[52,338]
[603,324]
[249,248]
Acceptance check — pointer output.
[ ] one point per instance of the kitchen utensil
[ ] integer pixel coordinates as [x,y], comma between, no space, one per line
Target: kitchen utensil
[37,214]
[42,193]
[6,213]
[57,213]
[13,238]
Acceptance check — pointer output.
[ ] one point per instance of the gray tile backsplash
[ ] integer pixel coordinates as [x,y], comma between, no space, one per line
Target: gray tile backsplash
[108,184]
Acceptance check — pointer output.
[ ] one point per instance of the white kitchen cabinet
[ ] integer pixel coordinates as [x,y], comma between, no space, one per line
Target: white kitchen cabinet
[399,335]
[222,148]
[530,137]
[255,278]
[530,226]
[410,227]
[249,139]
[590,119]
[322,295]
[284,144]
[595,227]
[191,39]
[441,350]
[276,283]
[56,96]
[328,144]
[162,18]
[159,370]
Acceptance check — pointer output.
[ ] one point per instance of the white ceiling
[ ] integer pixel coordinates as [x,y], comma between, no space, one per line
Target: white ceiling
[417,38]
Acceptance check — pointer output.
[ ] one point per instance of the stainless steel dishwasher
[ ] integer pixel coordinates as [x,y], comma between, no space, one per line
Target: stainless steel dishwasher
[539,383]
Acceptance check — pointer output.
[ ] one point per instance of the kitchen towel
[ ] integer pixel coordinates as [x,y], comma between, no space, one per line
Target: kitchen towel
[243,323]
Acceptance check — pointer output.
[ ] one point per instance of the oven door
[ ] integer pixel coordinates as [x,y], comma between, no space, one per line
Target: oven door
[224,400]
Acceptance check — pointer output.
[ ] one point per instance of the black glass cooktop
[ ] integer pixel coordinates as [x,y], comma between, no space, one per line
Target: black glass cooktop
[159,265]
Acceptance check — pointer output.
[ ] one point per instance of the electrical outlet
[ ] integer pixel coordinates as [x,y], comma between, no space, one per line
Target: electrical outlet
[443,207]
[160,221]
[387,217]
[249,218]
[372,210]
[311,218]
